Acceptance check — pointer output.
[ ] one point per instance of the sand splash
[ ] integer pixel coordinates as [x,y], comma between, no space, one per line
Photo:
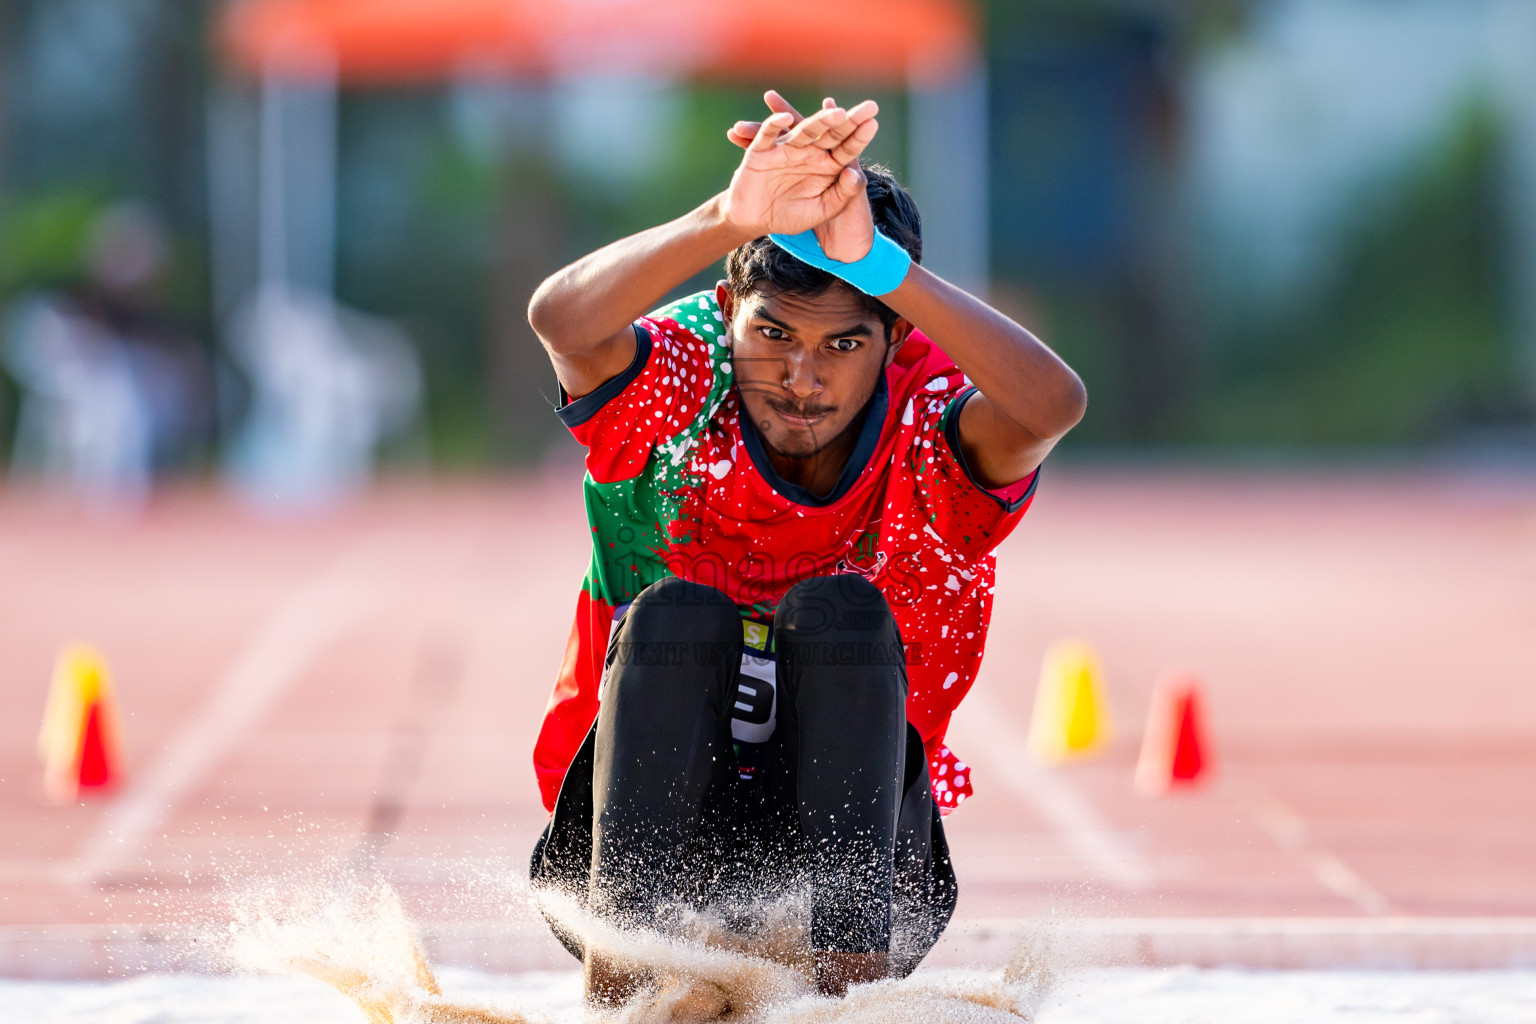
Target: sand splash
[360,941]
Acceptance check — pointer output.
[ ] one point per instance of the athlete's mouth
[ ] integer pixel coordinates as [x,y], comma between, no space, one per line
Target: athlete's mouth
[800,417]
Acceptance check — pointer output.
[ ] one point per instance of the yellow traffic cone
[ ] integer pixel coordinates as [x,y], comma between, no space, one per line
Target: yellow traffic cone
[1071,712]
[81,738]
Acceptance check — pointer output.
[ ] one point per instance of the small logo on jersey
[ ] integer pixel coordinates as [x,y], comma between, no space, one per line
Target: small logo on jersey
[864,558]
[755,634]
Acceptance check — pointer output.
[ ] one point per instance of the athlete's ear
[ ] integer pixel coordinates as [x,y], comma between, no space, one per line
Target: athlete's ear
[726,300]
[899,332]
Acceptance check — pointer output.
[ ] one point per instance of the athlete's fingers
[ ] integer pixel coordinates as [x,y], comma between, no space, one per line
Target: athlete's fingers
[849,183]
[817,131]
[839,127]
[861,112]
[847,188]
[823,129]
[812,128]
[779,105]
[836,133]
[769,133]
[743,132]
[848,150]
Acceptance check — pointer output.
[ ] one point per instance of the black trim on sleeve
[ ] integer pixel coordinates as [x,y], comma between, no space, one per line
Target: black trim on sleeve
[952,438]
[574,414]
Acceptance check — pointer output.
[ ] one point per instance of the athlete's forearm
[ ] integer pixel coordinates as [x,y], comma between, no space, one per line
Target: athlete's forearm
[1018,373]
[580,307]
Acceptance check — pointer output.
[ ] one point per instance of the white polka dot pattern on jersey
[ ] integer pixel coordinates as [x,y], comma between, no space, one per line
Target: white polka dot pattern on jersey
[671,489]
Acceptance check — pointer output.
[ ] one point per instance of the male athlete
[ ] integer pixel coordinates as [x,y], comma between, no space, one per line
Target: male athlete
[795,483]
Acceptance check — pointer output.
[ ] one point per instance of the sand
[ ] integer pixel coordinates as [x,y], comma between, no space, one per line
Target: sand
[348,953]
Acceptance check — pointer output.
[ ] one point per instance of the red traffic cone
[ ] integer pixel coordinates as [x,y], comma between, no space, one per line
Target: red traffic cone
[81,738]
[1174,751]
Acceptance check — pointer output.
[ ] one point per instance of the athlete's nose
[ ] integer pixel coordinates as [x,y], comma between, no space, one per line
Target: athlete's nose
[801,378]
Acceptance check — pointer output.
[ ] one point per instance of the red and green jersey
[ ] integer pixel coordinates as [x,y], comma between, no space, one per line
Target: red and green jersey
[678,484]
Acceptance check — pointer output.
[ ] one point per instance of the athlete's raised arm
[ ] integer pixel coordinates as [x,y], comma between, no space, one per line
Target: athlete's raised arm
[793,177]
[1028,397]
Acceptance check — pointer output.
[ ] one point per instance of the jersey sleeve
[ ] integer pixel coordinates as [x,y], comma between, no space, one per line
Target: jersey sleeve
[1014,497]
[678,376]
[967,516]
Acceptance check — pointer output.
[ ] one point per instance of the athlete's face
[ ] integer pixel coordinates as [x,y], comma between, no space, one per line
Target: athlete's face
[805,365]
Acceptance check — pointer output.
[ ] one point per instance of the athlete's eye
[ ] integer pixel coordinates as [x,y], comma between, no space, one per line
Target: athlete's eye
[773,333]
[846,344]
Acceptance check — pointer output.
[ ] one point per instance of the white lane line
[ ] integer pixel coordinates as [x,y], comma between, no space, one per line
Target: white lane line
[273,659]
[1471,927]
[1291,834]
[982,732]
[1265,943]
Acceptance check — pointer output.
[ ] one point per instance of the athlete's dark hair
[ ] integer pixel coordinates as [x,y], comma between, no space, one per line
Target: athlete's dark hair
[762,268]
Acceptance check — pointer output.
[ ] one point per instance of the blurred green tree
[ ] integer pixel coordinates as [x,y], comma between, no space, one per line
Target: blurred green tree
[1407,342]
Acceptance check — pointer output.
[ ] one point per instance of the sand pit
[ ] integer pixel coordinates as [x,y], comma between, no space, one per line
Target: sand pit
[1108,996]
[345,951]
[357,940]
[348,955]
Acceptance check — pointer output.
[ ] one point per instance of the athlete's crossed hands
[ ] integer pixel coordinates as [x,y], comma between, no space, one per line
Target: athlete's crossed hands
[801,173]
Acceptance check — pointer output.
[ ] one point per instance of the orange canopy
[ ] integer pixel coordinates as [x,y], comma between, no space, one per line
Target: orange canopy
[384,41]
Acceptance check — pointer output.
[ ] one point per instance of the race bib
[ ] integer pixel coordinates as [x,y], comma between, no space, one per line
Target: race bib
[754,708]
[757,698]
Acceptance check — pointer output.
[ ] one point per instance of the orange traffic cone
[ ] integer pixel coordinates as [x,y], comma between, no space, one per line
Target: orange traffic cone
[81,738]
[1173,749]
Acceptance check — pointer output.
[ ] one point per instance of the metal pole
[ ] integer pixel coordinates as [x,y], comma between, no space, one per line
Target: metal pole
[312,185]
[1515,36]
[297,220]
[233,168]
[272,210]
[949,173]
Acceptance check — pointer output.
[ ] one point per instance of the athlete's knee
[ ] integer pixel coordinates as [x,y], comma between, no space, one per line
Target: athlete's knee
[645,680]
[844,604]
[677,637]
[675,608]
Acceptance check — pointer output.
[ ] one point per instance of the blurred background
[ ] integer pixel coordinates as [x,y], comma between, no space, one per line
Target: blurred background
[1286,226]
[276,440]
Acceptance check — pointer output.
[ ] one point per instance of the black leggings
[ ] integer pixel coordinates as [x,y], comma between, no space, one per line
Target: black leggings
[653,810]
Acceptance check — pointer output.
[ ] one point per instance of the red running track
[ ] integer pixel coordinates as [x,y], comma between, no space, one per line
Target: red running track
[1367,640]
